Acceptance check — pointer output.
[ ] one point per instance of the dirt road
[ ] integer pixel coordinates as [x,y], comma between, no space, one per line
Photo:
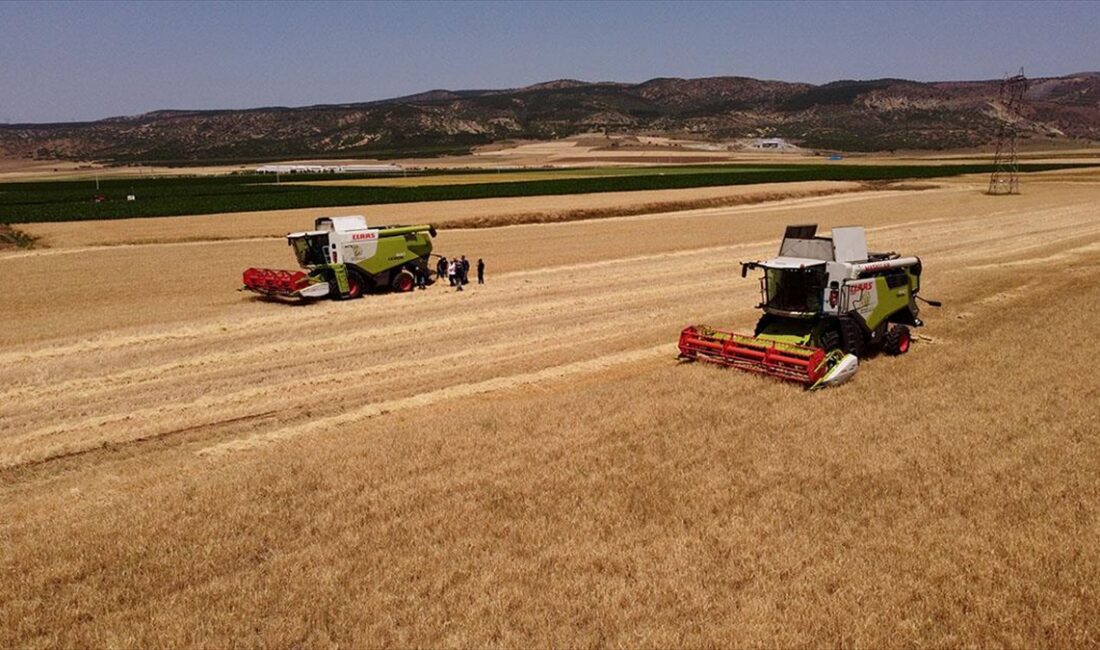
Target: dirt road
[182,462]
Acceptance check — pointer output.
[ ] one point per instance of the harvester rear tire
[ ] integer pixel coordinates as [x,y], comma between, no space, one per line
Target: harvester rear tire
[898,340]
[403,281]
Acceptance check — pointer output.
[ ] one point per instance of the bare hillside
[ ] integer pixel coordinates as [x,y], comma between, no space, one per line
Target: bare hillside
[875,115]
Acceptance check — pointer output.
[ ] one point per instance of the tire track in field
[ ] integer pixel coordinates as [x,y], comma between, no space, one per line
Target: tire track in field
[419,400]
[333,312]
[312,343]
[150,422]
[627,297]
[147,423]
[197,376]
[538,344]
[1062,256]
[79,250]
[372,410]
[496,384]
[192,332]
[587,303]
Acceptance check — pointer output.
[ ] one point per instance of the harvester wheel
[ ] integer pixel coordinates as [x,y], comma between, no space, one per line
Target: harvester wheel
[403,281]
[878,336]
[851,336]
[355,285]
[897,340]
[762,324]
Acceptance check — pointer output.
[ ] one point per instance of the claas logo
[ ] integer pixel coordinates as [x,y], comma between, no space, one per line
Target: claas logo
[362,235]
[862,286]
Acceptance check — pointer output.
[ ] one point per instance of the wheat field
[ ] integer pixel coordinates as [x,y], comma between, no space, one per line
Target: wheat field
[526,462]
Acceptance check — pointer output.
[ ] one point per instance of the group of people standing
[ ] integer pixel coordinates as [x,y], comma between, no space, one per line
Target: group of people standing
[457,271]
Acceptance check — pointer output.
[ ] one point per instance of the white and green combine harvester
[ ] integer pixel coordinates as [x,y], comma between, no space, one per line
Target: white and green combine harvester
[827,303]
[343,258]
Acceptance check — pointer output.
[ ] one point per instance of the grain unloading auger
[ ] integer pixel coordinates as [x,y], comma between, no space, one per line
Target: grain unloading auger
[827,303]
[343,258]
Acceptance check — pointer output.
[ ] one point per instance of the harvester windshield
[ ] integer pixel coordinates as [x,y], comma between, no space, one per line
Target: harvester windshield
[311,250]
[796,290]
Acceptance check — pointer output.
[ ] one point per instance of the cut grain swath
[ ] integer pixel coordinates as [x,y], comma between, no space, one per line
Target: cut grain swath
[797,363]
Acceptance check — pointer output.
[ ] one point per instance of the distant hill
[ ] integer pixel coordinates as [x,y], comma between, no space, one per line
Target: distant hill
[876,115]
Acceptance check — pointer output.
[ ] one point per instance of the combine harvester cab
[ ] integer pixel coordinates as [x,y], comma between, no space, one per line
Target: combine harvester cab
[827,303]
[344,258]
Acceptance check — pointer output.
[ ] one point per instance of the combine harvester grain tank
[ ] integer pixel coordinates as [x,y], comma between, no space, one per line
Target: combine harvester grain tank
[827,303]
[343,258]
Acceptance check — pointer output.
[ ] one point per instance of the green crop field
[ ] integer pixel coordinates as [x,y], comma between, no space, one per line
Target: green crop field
[76,200]
[477,176]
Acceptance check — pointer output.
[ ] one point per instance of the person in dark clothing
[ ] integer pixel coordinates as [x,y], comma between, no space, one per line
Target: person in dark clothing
[465,270]
[421,278]
[480,271]
[441,268]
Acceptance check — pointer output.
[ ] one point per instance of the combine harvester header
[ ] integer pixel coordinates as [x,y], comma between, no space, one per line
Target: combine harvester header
[343,258]
[827,303]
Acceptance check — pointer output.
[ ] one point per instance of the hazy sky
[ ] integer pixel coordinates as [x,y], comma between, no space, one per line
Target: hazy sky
[86,60]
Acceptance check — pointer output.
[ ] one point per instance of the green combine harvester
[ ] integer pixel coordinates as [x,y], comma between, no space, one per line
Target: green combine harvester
[827,303]
[343,258]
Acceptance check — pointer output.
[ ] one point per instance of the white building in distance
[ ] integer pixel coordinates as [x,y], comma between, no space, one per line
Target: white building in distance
[773,144]
[330,169]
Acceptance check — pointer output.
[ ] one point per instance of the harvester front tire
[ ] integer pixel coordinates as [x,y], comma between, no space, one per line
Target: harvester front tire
[851,337]
[355,285]
[762,324]
[898,340]
[403,281]
[845,335]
